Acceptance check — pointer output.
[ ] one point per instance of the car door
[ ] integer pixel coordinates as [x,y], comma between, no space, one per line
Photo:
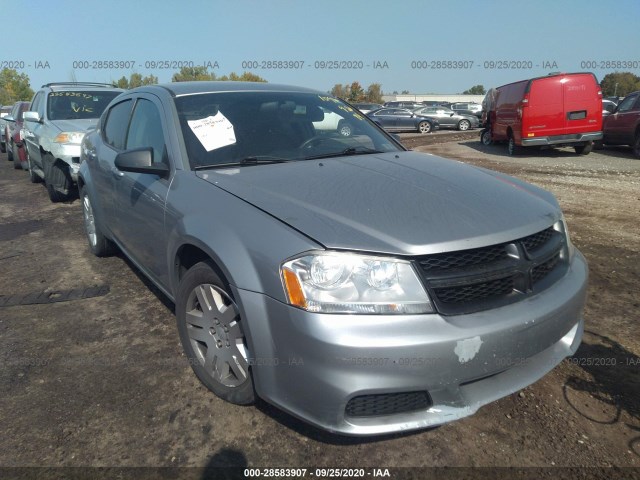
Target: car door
[618,127]
[386,118]
[141,197]
[405,119]
[446,117]
[30,139]
[113,132]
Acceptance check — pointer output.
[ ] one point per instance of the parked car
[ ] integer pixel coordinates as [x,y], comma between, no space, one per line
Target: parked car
[13,135]
[476,108]
[402,104]
[361,287]
[401,119]
[61,114]
[4,111]
[447,118]
[468,108]
[622,127]
[333,122]
[367,107]
[557,110]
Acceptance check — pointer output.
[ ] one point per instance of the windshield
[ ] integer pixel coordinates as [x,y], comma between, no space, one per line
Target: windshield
[69,105]
[249,127]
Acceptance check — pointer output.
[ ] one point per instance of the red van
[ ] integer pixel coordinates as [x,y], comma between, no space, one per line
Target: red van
[558,110]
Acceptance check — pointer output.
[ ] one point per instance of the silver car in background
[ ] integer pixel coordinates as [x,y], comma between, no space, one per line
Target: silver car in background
[60,115]
[447,118]
[361,287]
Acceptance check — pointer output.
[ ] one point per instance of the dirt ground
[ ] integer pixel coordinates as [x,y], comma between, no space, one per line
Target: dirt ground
[92,372]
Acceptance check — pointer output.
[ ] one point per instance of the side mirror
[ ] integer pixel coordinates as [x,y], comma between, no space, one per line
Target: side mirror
[140,160]
[31,117]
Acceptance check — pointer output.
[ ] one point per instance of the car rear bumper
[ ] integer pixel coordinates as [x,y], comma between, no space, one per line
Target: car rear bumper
[407,372]
[562,139]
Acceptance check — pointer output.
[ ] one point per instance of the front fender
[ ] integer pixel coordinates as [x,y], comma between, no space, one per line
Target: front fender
[246,243]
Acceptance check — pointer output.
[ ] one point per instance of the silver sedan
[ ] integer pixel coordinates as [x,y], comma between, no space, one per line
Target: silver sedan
[448,118]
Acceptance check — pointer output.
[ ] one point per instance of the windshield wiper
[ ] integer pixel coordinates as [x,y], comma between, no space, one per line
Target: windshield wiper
[252,160]
[346,152]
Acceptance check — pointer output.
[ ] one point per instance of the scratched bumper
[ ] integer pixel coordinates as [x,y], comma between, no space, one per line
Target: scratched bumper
[315,364]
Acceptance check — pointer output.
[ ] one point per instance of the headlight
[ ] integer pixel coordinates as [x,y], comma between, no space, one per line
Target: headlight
[561,226]
[349,283]
[69,137]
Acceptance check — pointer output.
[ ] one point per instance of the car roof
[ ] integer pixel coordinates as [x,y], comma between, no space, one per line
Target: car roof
[59,86]
[177,89]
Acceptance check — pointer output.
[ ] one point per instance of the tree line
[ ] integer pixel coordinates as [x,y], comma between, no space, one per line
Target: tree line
[15,86]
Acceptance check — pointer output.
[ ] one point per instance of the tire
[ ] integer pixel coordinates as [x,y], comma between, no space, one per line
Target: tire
[213,338]
[3,147]
[9,152]
[598,145]
[512,148]
[345,129]
[485,137]
[464,125]
[584,149]
[16,157]
[424,127]
[33,177]
[636,146]
[56,178]
[99,245]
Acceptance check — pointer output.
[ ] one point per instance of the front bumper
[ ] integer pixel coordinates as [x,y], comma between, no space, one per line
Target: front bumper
[559,140]
[312,365]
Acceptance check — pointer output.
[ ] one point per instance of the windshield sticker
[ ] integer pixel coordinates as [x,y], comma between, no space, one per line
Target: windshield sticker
[328,99]
[214,131]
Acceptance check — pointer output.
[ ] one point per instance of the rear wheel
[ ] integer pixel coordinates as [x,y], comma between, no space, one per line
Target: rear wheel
[584,149]
[636,146]
[3,148]
[9,150]
[212,335]
[485,137]
[464,125]
[512,147]
[99,245]
[345,129]
[424,127]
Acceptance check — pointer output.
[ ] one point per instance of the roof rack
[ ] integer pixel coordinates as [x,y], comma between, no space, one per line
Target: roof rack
[78,84]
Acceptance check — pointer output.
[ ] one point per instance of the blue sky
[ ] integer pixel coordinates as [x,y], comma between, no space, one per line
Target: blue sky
[53,35]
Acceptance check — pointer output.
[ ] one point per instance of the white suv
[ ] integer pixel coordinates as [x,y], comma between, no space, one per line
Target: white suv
[61,113]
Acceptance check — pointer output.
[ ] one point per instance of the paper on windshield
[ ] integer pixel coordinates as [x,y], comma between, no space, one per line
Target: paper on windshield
[214,131]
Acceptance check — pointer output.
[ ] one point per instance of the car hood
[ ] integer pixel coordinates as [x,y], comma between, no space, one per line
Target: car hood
[402,203]
[76,125]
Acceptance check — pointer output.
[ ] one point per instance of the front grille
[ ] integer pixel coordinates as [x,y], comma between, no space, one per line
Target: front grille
[467,293]
[533,242]
[387,404]
[465,258]
[478,279]
[541,271]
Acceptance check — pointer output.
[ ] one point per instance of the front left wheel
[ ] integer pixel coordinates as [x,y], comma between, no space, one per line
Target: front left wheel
[99,245]
[57,180]
[212,335]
